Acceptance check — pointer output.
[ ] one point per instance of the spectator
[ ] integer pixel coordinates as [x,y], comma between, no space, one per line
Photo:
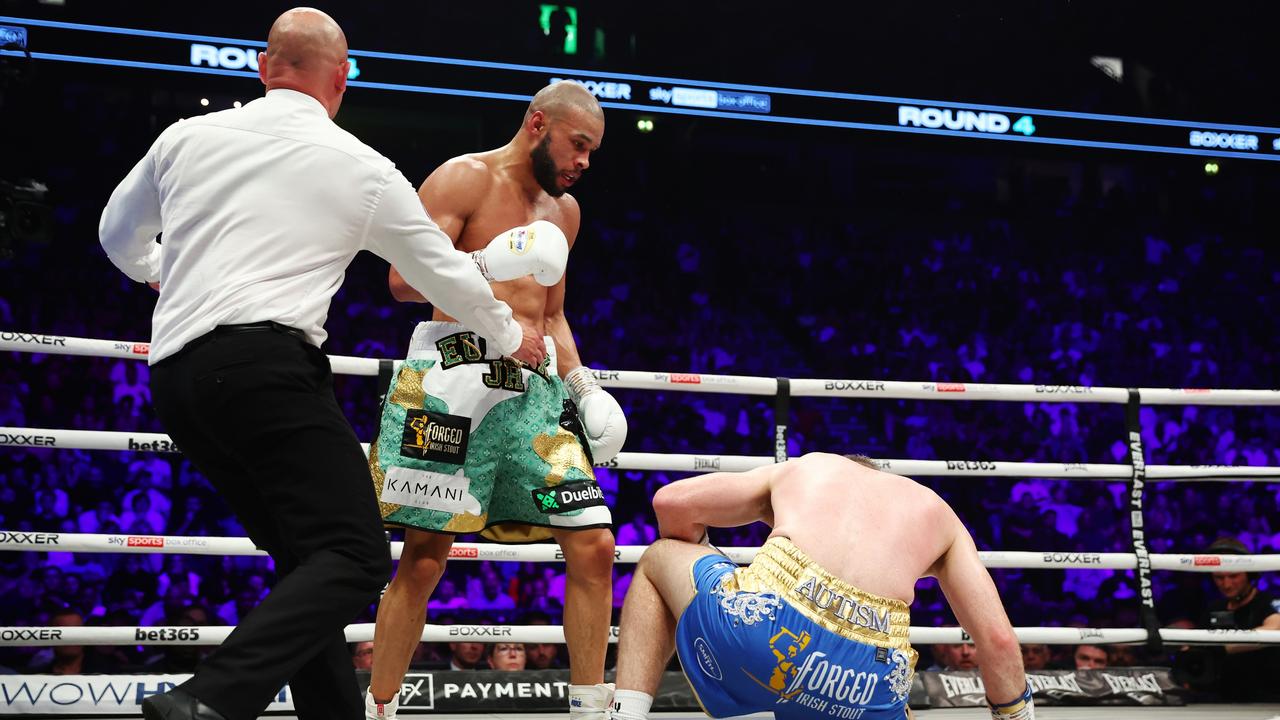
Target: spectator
[540,656]
[362,655]
[467,656]
[1035,656]
[506,656]
[1248,672]
[954,657]
[61,659]
[1090,657]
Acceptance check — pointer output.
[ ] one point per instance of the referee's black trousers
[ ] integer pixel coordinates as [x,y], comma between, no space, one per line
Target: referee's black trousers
[254,410]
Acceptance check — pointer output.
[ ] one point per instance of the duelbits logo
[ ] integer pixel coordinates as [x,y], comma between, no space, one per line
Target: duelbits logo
[568,497]
[238,58]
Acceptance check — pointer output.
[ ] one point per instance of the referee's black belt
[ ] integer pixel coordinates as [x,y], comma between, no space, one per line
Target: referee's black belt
[264,326]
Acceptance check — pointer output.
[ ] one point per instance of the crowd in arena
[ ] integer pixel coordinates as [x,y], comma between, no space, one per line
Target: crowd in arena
[1061,291]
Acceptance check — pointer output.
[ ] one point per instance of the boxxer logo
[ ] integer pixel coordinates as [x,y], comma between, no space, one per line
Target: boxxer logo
[33,339]
[28,538]
[28,440]
[854,385]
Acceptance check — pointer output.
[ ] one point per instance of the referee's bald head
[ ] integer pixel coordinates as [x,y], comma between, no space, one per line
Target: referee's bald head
[304,37]
[306,52]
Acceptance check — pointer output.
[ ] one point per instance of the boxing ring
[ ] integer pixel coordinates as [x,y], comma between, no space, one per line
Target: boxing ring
[1136,473]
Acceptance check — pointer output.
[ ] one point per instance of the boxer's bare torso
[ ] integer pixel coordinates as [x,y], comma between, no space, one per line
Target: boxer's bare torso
[877,531]
[473,198]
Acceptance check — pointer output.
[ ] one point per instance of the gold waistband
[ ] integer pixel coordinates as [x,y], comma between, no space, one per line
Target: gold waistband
[825,599]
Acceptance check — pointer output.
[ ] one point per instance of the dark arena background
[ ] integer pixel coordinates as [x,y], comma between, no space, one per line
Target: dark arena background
[1024,252]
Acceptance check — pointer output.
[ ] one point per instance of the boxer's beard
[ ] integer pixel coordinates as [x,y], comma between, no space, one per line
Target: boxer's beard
[544,168]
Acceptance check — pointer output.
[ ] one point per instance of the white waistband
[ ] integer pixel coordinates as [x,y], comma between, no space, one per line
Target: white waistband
[427,334]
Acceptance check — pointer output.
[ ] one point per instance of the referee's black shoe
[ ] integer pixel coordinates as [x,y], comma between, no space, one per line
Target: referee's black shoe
[178,705]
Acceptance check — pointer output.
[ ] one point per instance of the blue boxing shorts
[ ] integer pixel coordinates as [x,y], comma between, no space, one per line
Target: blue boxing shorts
[786,636]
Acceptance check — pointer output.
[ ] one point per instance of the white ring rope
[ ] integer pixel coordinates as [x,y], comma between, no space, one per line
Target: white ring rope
[625,554]
[361,632]
[692,382]
[739,384]
[159,442]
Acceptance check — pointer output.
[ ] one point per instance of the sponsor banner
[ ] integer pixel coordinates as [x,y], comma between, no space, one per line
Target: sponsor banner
[82,695]
[496,691]
[1112,686]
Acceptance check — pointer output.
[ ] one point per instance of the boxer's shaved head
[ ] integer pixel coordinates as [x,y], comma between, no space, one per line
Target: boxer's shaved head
[558,100]
[306,52]
[863,460]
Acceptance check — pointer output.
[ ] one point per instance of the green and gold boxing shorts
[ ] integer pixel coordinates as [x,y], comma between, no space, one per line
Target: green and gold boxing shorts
[472,442]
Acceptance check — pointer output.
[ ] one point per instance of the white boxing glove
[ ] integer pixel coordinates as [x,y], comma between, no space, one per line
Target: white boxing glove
[539,249]
[601,415]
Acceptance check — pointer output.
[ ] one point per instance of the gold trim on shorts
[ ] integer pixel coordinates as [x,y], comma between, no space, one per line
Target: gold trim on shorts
[825,599]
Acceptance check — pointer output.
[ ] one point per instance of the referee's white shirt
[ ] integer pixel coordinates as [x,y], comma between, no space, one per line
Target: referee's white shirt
[262,208]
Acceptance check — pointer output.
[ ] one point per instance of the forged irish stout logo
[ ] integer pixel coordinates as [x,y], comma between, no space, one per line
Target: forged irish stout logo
[435,436]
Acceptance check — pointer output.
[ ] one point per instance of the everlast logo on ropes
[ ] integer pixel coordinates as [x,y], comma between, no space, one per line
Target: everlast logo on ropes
[435,436]
[1136,519]
[567,497]
[706,463]
[154,446]
[460,348]
[33,339]
[970,465]
[28,440]
[27,538]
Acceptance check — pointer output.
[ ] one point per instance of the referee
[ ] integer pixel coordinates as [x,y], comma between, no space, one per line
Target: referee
[262,208]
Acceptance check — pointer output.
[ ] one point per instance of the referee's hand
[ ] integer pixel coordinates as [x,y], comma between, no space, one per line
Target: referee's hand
[532,350]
